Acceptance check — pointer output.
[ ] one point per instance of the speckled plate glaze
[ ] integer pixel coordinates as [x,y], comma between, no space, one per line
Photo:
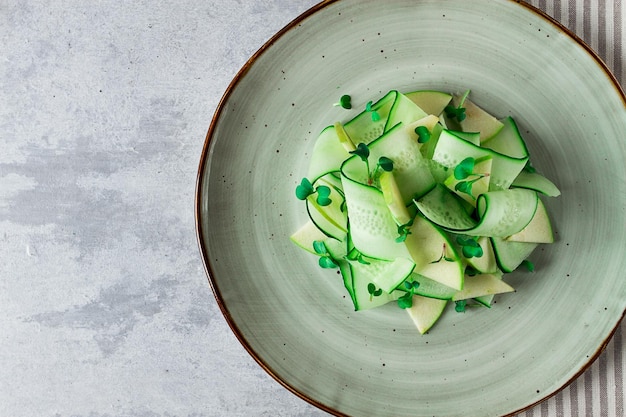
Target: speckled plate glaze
[295,319]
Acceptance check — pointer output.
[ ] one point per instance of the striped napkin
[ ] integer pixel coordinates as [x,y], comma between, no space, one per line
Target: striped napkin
[600,390]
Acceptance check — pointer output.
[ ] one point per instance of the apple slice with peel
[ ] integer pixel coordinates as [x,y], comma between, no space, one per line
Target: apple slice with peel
[425,312]
[306,235]
[481,285]
[477,119]
[539,230]
[432,102]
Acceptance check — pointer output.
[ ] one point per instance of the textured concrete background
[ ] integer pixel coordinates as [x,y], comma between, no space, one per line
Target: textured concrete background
[105,308]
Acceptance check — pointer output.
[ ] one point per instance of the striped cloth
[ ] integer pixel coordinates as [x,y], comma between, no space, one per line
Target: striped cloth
[600,390]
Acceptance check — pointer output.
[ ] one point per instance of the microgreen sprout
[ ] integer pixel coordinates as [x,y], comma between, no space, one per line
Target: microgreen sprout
[406,300]
[463,171]
[363,152]
[443,256]
[423,134]
[470,247]
[325,260]
[375,115]
[470,271]
[457,112]
[529,265]
[373,291]
[345,102]
[460,305]
[306,189]
[383,163]
[355,255]
[404,231]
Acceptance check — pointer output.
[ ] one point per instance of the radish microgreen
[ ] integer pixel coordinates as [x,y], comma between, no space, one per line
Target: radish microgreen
[403,231]
[423,134]
[406,300]
[306,189]
[384,163]
[355,255]
[457,112]
[529,265]
[470,247]
[345,102]
[373,291]
[463,171]
[325,260]
[443,256]
[375,115]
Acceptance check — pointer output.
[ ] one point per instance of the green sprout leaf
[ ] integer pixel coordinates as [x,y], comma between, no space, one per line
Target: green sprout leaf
[464,187]
[529,265]
[345,102]
[319,247]
[472,252]
[403,231]
[385,163]
[304,190]
[470,247]
[465,168]
[327,262]
[423,135]
[375,115]
[411,285]
[457,113]
[322,195]
[362,151]
[459,306]
[406,301]
[373,291]
[355,255]
[469,271]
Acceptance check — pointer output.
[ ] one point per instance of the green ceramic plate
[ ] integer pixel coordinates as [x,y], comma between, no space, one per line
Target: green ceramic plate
[295,319]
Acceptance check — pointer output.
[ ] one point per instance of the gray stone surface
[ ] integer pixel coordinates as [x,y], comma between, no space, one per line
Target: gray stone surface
[106,310]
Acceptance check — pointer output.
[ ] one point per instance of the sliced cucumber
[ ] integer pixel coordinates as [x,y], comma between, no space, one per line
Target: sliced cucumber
[537,182]
[393,228]
[328,154]
[471,137]
[510,255]
[372,227]
[386,275]
[403,111]
[501,213]
[410,169]
[508,141]
[430,288]
[451,150]
[363,129]
[331,219]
